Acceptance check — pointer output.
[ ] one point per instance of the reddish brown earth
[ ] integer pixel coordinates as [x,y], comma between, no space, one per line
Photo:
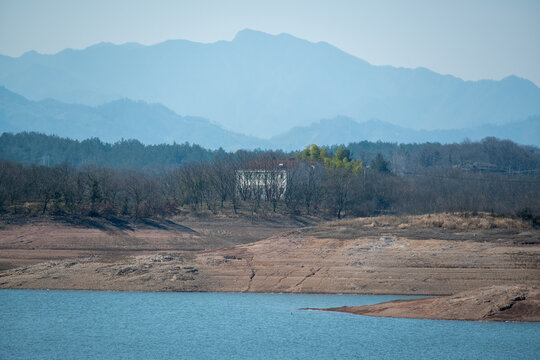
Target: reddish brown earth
[431,255]
[496,303]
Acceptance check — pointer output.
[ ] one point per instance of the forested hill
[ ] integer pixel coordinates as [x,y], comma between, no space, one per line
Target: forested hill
[131,179]
[488,155]
[35,148]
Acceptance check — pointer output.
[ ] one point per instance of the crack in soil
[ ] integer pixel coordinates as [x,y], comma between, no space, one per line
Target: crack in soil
[308,276]
[283,278]
[252,275]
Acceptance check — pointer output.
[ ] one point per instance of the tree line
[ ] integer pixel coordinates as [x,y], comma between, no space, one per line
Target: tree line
[327,182]
[34,148]
[488,155]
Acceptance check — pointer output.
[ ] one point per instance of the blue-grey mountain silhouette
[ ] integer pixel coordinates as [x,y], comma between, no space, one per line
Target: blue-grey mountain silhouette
[156,124]
[344,130]
[113,121]
[263,85]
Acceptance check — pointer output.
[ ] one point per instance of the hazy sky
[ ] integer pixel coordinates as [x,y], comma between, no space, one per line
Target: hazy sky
[470,39]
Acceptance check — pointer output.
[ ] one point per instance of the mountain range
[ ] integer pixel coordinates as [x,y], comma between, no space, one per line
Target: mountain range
[156,124]
[113,121]
[261,85]
[343,130]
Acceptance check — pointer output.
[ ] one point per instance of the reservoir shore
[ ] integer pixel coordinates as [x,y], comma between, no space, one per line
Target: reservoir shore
[495,303]
[438,254]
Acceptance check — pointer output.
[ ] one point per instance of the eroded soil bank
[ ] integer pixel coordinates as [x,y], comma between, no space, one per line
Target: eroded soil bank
[430,254]
[27,241]
[495,303]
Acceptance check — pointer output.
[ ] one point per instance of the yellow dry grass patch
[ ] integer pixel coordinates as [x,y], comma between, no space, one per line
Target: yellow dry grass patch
[458,221]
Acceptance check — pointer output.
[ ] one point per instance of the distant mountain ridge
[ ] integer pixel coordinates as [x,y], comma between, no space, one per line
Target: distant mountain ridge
[264,85]
[344,130]
[156,124]
[113,121]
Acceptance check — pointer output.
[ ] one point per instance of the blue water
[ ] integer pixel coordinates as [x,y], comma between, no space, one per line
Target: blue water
[124,325]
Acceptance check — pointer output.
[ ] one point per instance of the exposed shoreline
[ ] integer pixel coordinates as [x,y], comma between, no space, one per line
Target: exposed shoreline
[439,254]
[496,303]
[227,292]
[507,304]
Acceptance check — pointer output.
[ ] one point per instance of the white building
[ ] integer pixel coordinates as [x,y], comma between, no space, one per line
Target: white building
[265,184]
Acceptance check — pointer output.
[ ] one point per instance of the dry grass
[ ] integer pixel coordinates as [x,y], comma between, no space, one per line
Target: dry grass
[451,221]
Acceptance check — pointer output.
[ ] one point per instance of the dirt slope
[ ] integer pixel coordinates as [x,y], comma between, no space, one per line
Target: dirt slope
[28,241]
[381,256]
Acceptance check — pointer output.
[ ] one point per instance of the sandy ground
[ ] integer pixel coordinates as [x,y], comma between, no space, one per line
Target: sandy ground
[496,303]
[25,242]
[386,255]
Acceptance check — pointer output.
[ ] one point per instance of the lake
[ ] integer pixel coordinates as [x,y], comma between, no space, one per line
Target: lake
[37,324]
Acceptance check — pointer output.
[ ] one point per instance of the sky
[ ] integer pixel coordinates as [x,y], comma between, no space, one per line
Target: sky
[481,39]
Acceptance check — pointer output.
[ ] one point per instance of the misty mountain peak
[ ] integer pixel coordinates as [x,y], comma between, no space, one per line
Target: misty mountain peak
[251,35]
[30,54]
[257,37]
[518,81]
